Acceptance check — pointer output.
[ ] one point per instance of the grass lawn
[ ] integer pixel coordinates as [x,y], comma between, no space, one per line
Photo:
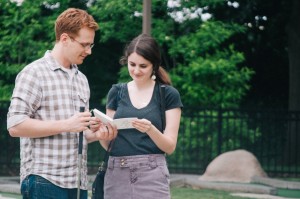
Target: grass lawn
[189,193]
[288,193]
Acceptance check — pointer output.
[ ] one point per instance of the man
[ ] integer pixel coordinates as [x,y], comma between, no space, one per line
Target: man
[44,112]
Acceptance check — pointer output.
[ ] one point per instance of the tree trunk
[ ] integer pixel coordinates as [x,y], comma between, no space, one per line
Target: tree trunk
[293,32]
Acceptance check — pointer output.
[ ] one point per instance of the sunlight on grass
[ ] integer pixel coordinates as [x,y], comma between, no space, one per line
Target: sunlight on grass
[289,193]
[189,193]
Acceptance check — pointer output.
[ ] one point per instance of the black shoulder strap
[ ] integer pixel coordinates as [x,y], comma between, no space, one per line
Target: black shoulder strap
[162,89]
[105,159]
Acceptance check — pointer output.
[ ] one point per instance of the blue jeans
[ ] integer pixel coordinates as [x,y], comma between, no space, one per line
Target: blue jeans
[36,187]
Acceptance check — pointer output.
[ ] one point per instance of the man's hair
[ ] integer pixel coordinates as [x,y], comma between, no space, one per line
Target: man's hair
[72,20]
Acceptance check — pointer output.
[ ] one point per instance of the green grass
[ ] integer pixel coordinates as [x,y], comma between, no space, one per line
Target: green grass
[289,193]
[189,193]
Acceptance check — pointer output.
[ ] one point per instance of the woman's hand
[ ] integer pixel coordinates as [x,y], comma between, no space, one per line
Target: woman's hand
[106,132]
[94,124]
[143,125]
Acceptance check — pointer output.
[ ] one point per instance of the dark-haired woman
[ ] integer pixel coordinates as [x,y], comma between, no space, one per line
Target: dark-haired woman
[137,165]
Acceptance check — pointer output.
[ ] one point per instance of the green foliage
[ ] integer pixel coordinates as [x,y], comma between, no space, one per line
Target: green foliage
[122,20]
[25,34]
[208,71]
[124,75]
[206,38]
[27,31]
[24,28]
[7,74]
[192,193]
[117,19]
[204,65]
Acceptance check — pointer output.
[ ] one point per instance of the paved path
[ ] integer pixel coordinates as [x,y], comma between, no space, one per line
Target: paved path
[2,197]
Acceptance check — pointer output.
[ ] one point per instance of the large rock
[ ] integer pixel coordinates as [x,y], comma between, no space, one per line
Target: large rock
[233,166]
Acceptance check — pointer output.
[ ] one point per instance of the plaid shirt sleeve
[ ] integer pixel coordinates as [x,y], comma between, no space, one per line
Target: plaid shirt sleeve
[26,87]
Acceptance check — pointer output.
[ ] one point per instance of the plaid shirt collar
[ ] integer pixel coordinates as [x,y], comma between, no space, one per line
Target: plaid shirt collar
[54,65]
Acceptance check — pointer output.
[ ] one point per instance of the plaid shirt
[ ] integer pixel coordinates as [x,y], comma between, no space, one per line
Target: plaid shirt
[44,91]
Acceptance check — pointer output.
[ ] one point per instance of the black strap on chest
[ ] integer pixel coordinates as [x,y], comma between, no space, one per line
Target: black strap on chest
[162,89]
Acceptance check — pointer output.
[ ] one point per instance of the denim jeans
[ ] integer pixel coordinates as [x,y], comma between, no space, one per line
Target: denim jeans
[36,187]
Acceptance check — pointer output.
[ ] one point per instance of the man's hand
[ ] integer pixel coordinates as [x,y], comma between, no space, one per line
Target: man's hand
[78,122]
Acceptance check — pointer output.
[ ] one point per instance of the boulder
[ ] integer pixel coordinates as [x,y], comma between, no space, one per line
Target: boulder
[233,166]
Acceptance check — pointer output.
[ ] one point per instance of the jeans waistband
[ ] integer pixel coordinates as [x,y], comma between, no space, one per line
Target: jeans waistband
[152,160]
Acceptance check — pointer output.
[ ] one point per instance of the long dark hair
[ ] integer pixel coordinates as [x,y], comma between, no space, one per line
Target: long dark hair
[146,46]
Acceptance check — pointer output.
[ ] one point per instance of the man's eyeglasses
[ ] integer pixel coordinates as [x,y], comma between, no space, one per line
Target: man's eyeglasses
[86,46]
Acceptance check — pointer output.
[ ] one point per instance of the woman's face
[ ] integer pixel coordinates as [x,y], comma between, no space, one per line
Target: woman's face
[140,69]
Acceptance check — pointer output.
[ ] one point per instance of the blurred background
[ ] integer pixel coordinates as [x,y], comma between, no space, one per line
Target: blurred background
[236,65]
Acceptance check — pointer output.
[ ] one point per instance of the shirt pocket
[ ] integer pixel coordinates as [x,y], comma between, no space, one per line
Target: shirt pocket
[83,100]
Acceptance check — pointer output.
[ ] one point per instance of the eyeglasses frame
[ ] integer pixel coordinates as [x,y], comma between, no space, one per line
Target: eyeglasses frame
[85,46]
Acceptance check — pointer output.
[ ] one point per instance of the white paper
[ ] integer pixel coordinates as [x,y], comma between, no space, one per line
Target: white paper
[120,123]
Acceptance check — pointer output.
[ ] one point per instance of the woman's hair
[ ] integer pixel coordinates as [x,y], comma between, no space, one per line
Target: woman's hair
[146,46]
[72,20]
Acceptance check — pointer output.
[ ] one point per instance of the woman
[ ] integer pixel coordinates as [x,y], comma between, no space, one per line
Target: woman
[137,165]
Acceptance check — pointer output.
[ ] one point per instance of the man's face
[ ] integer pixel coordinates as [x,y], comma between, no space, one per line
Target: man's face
[80,47]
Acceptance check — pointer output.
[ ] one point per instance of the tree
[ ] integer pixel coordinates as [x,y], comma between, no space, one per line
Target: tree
[193,51]
[210,74]
[26,32]
[21,27]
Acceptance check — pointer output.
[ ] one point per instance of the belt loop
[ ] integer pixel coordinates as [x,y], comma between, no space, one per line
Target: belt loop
[152,161]
[151,158]
[111,162]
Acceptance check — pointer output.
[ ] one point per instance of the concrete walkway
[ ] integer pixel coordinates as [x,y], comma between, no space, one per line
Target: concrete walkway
[263,188]
[192,181]
[3,197]
[10,184]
